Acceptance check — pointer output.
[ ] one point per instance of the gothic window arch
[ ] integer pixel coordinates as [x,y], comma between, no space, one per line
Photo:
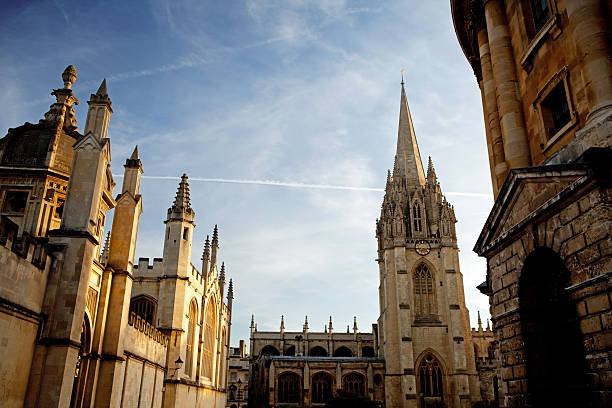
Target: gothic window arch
[424,291]
[145,307]
[221,371]
[343,351]
[191,328]
[322,383]
[354,383]
[210,328]
[430,377]
[318,351]
[367,351]
[269,350]
[417,217]
[289,387]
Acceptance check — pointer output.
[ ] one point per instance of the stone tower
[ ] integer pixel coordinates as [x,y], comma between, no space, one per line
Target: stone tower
[423,325]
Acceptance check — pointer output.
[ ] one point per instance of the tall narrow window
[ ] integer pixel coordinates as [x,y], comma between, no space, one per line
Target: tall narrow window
[430,377]
[210,327]
[555,110]
[424,291]
[540,12]
[289,387]
[193,312]
[416,214]
[322,387]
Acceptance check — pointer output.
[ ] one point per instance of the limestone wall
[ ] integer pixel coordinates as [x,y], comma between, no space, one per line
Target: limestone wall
[22,288]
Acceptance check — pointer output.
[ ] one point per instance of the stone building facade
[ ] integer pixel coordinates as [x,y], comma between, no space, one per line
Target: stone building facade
[544,69]
[238,377]
[307,368]
[80,324]
[421,352]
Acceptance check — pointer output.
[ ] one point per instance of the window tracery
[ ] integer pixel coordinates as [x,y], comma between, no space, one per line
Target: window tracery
[288,387]
[430,377]
[424,299]
[210,327]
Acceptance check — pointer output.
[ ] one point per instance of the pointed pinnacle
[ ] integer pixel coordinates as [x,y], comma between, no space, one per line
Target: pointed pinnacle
[479,321]
[222,273]
[135,155]
[330,322]
[230,290]
[215,238]
[206,253]
[282,326]
[354,322]
[252,320]
[182,199]
[102,89]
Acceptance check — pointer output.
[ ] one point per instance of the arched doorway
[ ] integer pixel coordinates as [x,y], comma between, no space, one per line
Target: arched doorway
[322,384]
[430,383]
[551,335]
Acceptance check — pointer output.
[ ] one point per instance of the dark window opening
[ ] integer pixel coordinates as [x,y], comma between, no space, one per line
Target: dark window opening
[145,308]
[354,383]
[185,233]
[318,351]
[269,350]
[321,387]
[343,352]
[367,351]
[555,110]
[288,388]
[290,351]
[540,13]
[15,202]
[416,210]
[430,377]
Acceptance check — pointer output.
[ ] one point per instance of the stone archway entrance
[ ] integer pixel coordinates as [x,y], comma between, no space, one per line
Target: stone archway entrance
[554,355]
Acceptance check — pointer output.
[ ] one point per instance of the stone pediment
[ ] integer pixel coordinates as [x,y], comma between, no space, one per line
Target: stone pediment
[526,194]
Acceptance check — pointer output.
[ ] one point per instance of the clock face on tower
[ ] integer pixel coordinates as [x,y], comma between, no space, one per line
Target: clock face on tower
[422,247]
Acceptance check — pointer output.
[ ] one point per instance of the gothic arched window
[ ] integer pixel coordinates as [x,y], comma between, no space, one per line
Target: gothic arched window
[318,351]
[416,215]
[367,351]
[321,387]
[269,350]
[210,328]
[288,387]
[193,314]
[343,351]
[424,299]
[354,383]
[430,377]
[145,307]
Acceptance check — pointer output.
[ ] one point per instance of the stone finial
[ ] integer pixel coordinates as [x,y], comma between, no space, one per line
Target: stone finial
[282,324]
[69,76]
[330,324]
[306,323]
[355,324]
[479,322]
[488,326]
[252,321]
[347,329]
[325,329]
[135,155]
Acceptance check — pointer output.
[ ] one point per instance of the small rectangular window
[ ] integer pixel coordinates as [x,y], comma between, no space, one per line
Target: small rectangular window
[15,202]
[555,110]
[185,233]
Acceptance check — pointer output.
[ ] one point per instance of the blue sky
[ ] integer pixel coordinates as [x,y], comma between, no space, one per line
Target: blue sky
[291,91]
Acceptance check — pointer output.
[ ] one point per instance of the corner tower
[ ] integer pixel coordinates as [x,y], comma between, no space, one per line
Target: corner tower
[423,324]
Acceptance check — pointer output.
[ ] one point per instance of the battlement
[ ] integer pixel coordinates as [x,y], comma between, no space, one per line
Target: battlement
[141,325]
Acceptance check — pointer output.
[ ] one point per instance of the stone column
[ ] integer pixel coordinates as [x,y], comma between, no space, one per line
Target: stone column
[512,121]
[491,114]
[591,33]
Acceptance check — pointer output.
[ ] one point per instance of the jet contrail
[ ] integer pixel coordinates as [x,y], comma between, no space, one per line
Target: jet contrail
[296,185]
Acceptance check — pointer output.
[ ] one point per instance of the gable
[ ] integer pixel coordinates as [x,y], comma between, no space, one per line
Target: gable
[526,194]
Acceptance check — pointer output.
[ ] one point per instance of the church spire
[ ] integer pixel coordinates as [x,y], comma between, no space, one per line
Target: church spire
[431,173]
[407,157]
[479,322]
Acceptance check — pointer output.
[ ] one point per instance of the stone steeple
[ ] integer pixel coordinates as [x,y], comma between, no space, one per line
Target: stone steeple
[214,247]
[407,156]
